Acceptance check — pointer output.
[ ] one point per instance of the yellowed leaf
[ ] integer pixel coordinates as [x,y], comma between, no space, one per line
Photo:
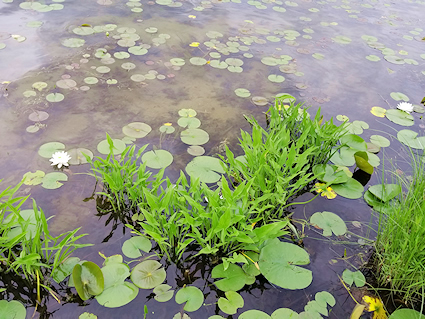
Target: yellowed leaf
[357,311]
[378,111]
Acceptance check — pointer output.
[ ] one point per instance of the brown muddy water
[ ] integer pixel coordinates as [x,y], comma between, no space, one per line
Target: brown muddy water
[96,66]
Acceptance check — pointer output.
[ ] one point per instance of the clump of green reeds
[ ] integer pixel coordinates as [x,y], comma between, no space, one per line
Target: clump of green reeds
[400,243]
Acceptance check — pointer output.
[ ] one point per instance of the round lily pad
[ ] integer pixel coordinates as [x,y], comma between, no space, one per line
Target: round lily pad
[73,42]
[351,189]
[259,100]
[136,129]
[39,85]
[208,169]
[196,150]
[53,180]
[157,159]
[137,50]
[411,139]
[66,83]
[399,117]
[38,116]
[91,80]
[117,295]
[276,78]
[118,147]
[189,122]
[163,293]
[88,279]
[398,96]
[77,156]
[192,296]
[55,97]
[198,61]
[167,129]
[35,178]
[378,111]
[12,309]
[329,222]
[242,92]
[177,61]
[148,274]
[194,136]
[46,150]
[131,247]
[380,140]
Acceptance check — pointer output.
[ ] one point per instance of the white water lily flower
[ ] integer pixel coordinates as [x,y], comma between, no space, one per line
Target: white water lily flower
[406,107]
[60,158]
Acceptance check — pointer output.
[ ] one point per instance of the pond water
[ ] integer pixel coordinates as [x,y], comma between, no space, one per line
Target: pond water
[74,70]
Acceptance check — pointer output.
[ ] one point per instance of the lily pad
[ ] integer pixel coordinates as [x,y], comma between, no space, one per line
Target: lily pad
[398,96]
[242,92]
[88,279]
[380,140]
[406,314]
[55,97]
[46,150]
[187,113]
[192,296]
[136,129]
[400,117]
[351,189]
[385,192]
[157,159]
[254,314]
[196,150]
[163,293]
[260,100]
[354,141]
[276,78]
[137,50]
[284,313]
[232,303]
[77,156]
[177,61]
[35,178]
[233,278]
[148,274]
[52,180]
[198,61]
[208,169]
[12,309]
[355,277]
[378,111]
[118,146]
[189,122]
[411,139]
[131,247]
[87,315]
[194,136]
[279,263]
[329,222]
[73,42]
[167,129]
[38,116]
[65,269]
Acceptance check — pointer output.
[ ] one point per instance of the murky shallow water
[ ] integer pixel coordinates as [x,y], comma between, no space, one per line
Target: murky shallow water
[324,65]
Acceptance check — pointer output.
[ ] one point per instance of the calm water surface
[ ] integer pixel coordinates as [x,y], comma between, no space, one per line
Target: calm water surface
[314,50]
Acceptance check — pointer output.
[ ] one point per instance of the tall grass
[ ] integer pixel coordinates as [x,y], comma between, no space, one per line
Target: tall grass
[400,243]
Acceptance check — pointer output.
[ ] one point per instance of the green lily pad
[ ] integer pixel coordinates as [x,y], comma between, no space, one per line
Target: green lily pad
[198,61]
[103,69]
[192,296]
[12,309]
[77,156]
[194,136]
[232,303]
[73,42]
[344,157]
[91,80]
[137,50]
[373,58]
[187,113]
[356,127]
[242,92]
[189,122]
[279,263]
[136,129]
[219,64]
[373,201]
[208,169]
[55,97]
[406,314]
[284,313]
[329,222]
[87,315]
[354,142]
[276,78]
[362,159]
[131,247]
[52,180]
[380,140]
[35,178]
[157,159]
[65,269]
[411,139]
[329,174]
[196,150]
[117,148]
[88,279]
[38,116]
[163,293]
[259,100]
[148,274]
[233,278]
[394,59]
[398,96]
[355,277]
[385,192]
[177,61]
[254,314]
[351,189]
[400,117]
[167,129]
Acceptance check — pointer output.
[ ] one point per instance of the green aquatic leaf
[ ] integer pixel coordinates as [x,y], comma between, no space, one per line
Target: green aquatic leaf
[380,140]
[87,315]
[163,293]
[219,64]
[398,96]
[354,141]
[356,127]
[131,247]
[342,39]
[406,314]
[187,113]
[194,136]
[254,314]
[385,192]
[208,169]
[55,97]
[177,62]
[231,304]
[394,59]
[355,277]
[46,150]
[233,278]
[329,222]
[242,92]
[88,279]
[276,78]
[373,58]
[192,296]
[136,129]
[148,274]
[260,100]
[52,180]
[351,189]
[35,178]
[196,150]
[65,269]
[104,148]
[12,309]
[189,122]
[399,117]
[157,159]
[77,155]
[73,42]
[198,61]
[279,263]
[411,139]
[137,50]
[362,159]
[284,313]
[91,80]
